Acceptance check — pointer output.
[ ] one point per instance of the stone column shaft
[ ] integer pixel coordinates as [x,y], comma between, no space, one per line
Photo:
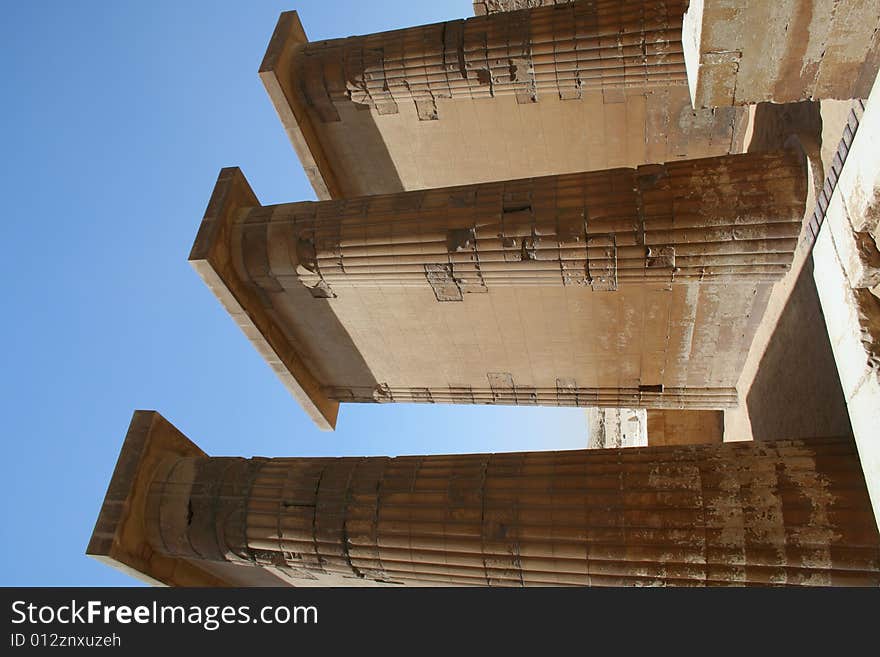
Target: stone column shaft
[786,512]
[731,218]
[565,50]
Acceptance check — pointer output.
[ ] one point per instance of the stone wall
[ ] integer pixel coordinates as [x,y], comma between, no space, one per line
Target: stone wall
[781,51]
[617,427]
[674,427]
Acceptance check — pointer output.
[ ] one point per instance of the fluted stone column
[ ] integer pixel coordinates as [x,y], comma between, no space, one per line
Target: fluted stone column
[786,512]
[579,86]
[731,218]
[627,287]
[565,50]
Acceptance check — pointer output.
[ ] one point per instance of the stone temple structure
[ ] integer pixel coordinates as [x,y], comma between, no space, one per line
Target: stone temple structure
[639,287]
[781,512]
[625,206]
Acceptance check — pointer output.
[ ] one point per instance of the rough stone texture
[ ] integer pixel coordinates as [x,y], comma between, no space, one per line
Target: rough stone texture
[483,7]
[785,512]
[852,311]
[562,50]
[857,238]
[791,336]
[638,427]
[577,87]
[783,51]
[627,288]
[672,427]
[730,218]
[617,427]
[119,538]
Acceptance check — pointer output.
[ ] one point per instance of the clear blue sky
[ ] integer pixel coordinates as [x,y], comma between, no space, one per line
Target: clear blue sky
[115,119]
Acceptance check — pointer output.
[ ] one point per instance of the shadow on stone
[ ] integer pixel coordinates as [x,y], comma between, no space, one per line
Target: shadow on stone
[796,392]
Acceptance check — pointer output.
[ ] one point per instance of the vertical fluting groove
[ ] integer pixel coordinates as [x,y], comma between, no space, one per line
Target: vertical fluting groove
[620,489]
[215,506]
[702,506]
[282,500]
[255,465]
[412,487]
[789,512]
[153,513]
[518,555]
[347,503]
[315,519]
[172,525]
[484,469]
[379,496]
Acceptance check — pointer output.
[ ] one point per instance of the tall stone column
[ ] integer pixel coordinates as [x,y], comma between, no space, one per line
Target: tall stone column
[627,288]
[786,512]
[565,50]
[733,217]
[580,86]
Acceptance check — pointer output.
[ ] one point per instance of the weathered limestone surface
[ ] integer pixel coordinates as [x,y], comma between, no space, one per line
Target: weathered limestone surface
[576,87]
[483,7]
[792,336]
[667,427]
[845,271]
[633,288]
[697,220]
[560,50]
[783,51]
[596,286]
[119,538]
[785,512]
[617,427]
[639,427]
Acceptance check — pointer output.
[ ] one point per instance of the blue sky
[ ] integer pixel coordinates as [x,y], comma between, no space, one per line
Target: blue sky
[116,118]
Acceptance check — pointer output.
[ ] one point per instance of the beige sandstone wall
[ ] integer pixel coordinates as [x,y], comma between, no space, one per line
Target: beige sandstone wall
[617,427]
[751,51]
[684,427]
